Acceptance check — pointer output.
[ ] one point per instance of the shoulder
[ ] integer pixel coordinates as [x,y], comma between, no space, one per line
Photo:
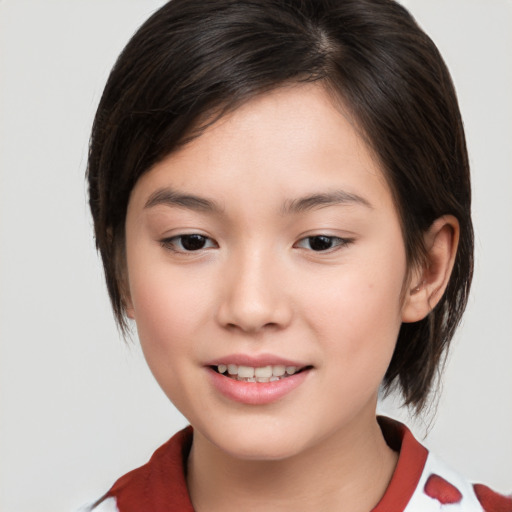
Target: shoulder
[442,488]
[424,483]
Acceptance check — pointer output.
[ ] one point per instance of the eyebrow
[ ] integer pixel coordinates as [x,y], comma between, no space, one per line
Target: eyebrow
[322,200]
[167,196]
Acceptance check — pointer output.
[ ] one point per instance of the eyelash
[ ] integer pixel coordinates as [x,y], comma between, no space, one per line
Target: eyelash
[171,243]
[336,240]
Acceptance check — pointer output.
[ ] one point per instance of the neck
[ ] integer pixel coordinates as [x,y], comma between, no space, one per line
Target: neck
[350,470]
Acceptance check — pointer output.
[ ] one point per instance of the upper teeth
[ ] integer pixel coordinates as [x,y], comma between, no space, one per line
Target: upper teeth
[249,372]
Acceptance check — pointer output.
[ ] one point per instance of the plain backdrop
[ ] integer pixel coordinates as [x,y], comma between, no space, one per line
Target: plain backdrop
[78,407]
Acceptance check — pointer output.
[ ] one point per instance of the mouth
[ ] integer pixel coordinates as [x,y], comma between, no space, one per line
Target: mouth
[261,374]
[257,380]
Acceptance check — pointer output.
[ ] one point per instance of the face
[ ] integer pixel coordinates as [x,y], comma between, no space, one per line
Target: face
[268,249]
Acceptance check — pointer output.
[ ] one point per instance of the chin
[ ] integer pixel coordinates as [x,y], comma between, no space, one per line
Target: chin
[260,451]
[252,443]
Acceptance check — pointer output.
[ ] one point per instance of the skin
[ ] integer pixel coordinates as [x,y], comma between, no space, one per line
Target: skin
[258,287]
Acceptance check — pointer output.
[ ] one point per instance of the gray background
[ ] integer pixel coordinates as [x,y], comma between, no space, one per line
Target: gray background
[77,406]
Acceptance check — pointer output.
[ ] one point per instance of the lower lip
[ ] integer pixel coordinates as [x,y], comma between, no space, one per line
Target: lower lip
[256,393]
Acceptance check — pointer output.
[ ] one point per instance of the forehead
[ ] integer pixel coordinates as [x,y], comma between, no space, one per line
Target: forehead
[282,144]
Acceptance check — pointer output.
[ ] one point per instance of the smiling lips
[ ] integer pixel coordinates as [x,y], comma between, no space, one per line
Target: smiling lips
[259,384]
[269,373]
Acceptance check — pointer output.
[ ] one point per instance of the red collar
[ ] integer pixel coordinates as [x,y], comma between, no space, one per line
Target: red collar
[160,485]
[411,462]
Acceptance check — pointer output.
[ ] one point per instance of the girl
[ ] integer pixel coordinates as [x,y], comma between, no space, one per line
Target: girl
[281,198]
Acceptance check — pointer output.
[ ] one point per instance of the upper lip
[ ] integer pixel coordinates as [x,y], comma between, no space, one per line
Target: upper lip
[255,361]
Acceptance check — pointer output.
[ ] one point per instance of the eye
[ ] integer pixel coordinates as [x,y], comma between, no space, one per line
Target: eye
[322,243]
[188,243]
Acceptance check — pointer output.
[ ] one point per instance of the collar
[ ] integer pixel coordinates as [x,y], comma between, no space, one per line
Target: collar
[408,471]
[160,485]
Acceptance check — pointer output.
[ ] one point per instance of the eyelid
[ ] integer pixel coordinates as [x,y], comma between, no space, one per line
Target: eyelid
[174,242]
[340,242]
[170,243]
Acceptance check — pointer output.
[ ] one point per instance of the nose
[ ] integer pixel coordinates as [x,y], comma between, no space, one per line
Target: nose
[254,294]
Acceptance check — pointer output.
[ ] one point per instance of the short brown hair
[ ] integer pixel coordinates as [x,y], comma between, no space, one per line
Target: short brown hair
[195,57]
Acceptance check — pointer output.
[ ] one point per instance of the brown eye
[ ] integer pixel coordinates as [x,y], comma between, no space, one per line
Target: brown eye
[193,242]
[322,243]
[188,243]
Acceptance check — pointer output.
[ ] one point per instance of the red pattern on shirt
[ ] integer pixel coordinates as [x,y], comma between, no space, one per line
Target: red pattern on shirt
[441,490]
[492,501]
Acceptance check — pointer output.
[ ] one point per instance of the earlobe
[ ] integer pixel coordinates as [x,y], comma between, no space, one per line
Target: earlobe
[124,289]
[123,284]
[431,279]
[130,312]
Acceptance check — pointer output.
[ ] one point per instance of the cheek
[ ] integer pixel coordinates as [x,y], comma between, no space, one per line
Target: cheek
[168,305]
[357,313]
[168,315]
[358,332]
[356,301]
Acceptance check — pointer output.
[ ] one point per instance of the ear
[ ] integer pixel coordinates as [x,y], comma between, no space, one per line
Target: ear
[126,298]
[128,308]
[430,279]
[123,283]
